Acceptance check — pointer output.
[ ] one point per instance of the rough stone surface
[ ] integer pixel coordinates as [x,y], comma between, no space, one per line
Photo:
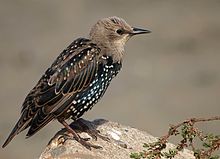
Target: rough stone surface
[123,141]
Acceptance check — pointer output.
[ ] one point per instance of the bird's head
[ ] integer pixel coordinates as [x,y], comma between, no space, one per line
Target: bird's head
[114,30]
[112,33]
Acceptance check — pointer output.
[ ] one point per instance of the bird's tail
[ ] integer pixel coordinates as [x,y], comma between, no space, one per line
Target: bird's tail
[20,126]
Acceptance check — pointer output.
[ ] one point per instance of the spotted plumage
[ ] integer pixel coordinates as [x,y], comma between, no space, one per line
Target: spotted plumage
[77,79]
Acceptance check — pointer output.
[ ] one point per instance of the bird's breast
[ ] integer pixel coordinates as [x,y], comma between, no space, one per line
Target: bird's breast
[86,99]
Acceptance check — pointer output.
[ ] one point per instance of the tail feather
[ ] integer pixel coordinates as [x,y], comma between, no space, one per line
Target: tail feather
[10,137]
[20,126]
[35,128]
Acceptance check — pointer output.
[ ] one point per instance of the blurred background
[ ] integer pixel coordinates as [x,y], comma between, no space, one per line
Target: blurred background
[168,76]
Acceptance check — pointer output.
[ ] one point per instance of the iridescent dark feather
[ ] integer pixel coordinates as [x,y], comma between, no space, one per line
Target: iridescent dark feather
[77,79]
[71,72]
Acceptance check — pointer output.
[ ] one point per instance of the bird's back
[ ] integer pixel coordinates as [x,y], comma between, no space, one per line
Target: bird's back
[76,80]
[78,77]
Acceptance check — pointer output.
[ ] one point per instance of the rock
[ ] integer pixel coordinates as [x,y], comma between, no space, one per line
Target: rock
[123,141]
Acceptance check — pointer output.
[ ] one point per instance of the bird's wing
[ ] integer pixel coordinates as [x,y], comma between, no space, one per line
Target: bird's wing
[71,72]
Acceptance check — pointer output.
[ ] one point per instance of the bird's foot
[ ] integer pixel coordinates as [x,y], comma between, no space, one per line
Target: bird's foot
[88,145]
[96,134]
[84,141]
[82,125]
[76,136]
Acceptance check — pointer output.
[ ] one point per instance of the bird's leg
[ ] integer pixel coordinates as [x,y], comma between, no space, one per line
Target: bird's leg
[78,138]
[69,129]
[94,133]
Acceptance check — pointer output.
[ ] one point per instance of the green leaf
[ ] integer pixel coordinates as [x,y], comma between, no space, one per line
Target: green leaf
[206,145]
[146,145]
[215,157]
[135,155]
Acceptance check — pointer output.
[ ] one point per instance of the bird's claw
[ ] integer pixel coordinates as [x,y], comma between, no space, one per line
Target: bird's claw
[88,145]
[96,134]
[84,141]
[62,139]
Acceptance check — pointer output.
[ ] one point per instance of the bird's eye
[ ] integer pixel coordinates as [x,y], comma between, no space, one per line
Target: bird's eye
[120,31]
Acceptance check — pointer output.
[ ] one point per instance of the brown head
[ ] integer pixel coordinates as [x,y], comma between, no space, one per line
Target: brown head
[112,33]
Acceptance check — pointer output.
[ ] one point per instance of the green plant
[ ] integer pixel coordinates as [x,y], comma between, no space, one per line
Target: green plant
[188,132]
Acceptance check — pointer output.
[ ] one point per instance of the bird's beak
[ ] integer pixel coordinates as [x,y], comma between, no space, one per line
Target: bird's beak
[136,31]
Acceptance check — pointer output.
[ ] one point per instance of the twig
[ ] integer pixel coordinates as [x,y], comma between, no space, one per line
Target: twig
[188,133]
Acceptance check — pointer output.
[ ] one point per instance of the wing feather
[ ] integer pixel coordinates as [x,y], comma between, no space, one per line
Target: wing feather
[71,72]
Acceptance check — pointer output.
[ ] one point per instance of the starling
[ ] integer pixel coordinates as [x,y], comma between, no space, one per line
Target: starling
[77,79]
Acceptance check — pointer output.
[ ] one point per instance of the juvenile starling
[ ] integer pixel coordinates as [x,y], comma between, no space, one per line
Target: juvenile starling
[77,79]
